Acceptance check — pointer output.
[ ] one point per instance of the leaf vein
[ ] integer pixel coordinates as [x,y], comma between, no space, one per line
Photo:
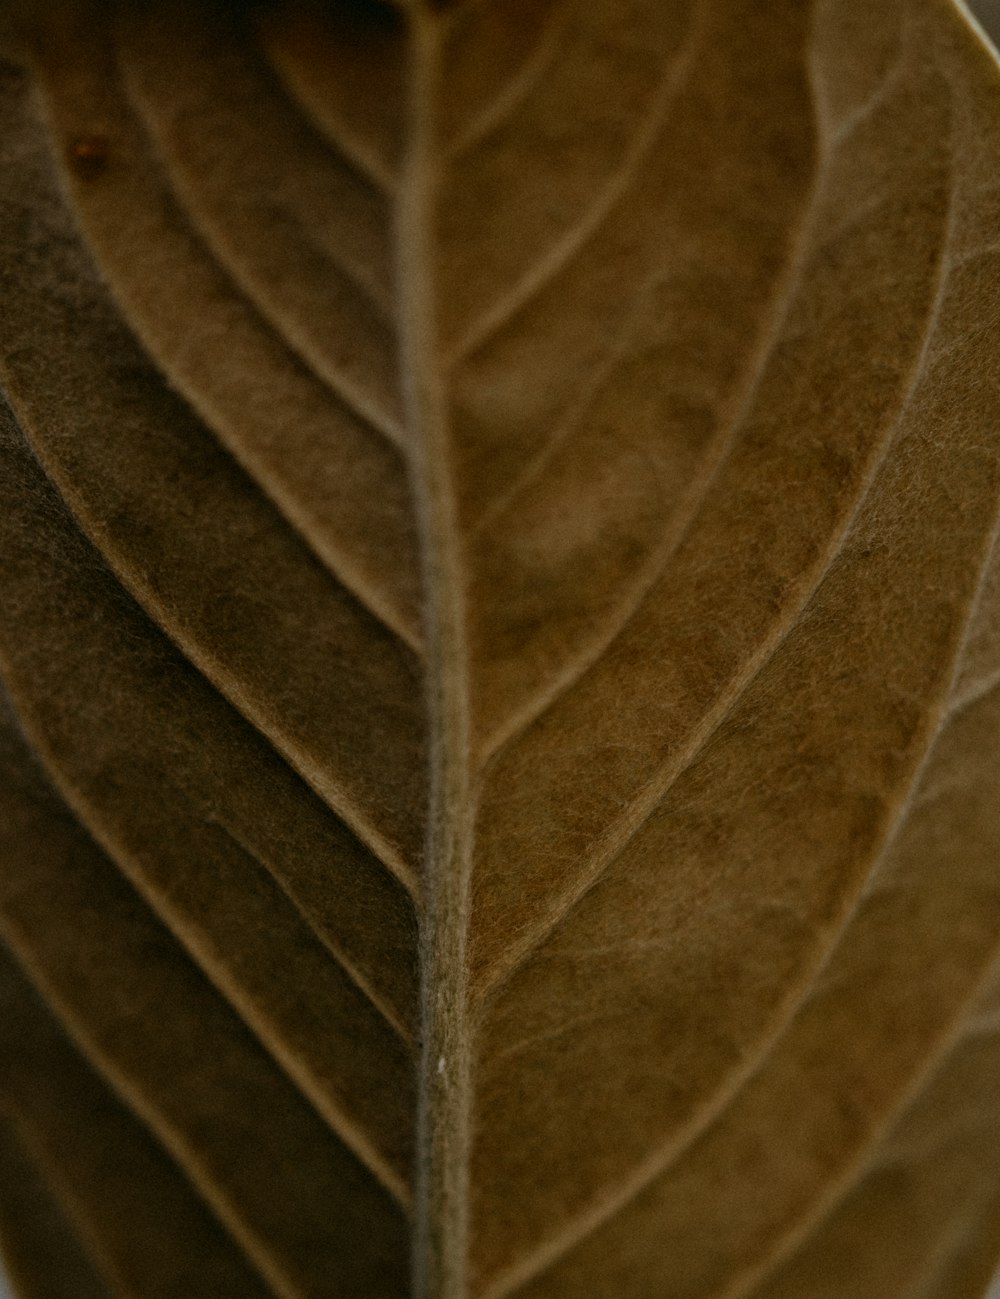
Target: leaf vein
[636,815]
[949,707]
[565,249]
[502,107]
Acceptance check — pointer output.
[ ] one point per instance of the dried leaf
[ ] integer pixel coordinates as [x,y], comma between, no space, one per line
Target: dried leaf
[501,618]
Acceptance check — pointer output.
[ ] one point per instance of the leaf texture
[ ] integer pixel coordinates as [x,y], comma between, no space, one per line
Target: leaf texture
[500,640]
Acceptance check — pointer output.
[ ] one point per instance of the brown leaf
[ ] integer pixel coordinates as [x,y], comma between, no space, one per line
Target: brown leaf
[500,609]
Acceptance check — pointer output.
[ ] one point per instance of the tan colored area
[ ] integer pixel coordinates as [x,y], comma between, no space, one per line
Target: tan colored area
[500,643]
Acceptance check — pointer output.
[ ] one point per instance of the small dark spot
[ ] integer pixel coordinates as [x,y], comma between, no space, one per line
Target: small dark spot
[88,155]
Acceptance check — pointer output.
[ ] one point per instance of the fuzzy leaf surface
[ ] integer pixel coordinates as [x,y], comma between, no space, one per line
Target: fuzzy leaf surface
[500,643]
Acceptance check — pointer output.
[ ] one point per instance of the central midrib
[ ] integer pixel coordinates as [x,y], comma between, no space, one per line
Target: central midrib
[441,1200]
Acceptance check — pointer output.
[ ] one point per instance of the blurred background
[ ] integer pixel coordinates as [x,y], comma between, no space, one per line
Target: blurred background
[988,13]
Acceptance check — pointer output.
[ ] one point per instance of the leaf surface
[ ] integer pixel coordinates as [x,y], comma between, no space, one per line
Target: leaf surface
[501,617]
